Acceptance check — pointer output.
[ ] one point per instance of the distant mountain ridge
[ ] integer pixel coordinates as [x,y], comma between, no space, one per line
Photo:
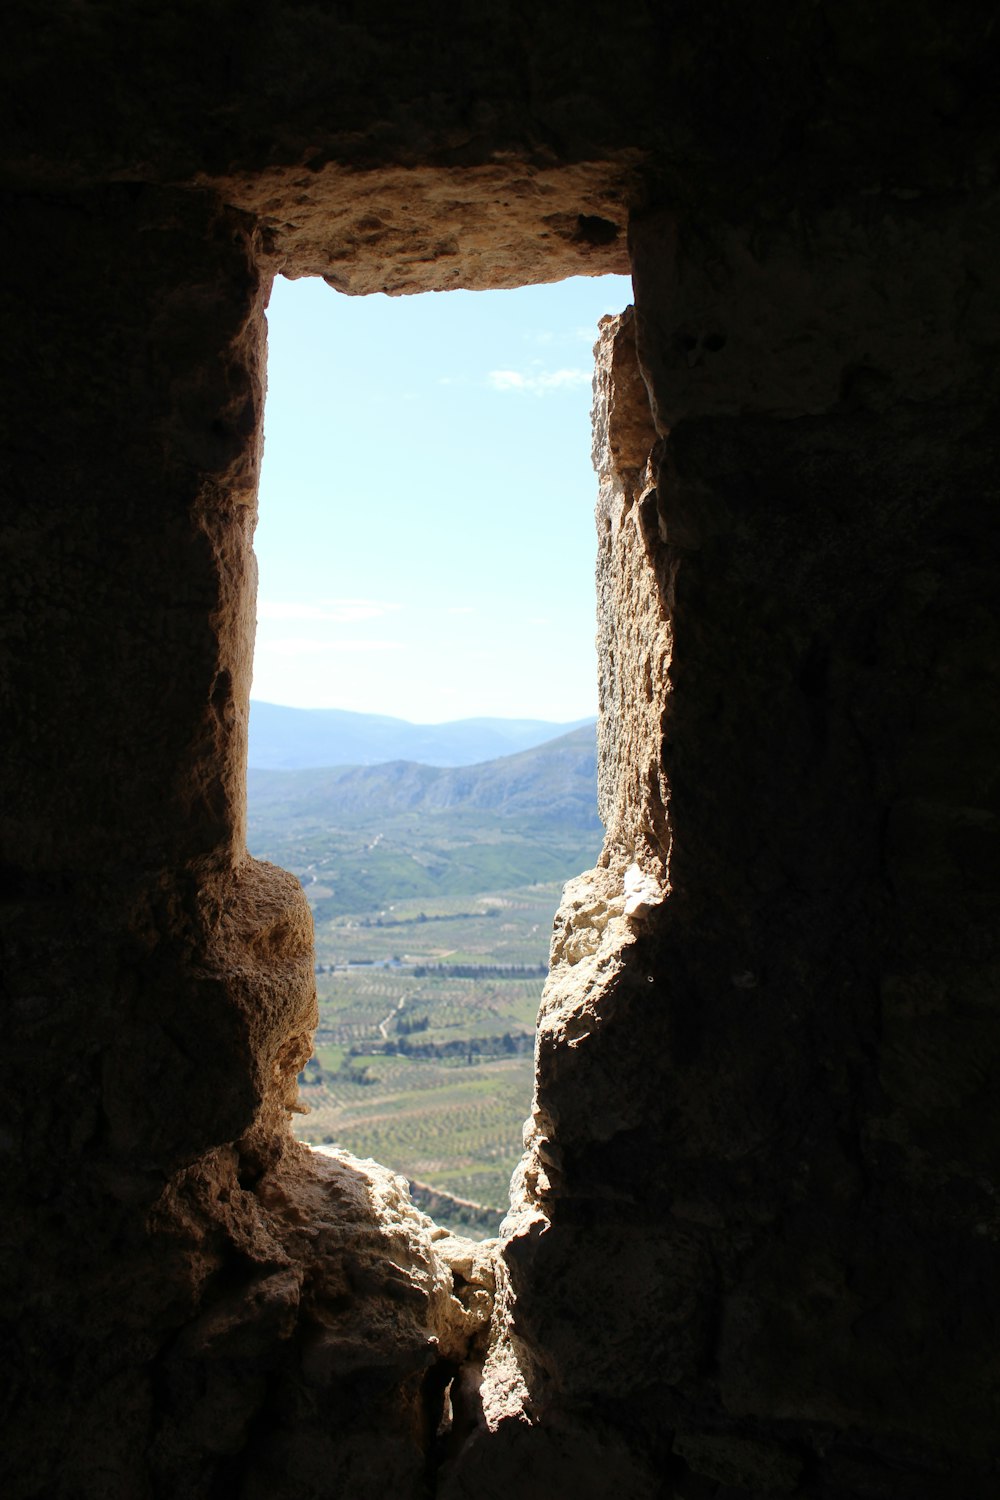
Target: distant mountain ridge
[286,739]
[551,783]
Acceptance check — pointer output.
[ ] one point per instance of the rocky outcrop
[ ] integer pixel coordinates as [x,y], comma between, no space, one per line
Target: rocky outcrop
[741,1188]
[345,1312]
[752,1243]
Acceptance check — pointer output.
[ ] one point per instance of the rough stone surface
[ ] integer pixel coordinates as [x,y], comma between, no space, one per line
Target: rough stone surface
[408,230]
[742,1188]
[752,1246]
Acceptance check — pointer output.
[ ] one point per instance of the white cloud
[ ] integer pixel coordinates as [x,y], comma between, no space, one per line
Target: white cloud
[340,611]
[537,382]
[301,645]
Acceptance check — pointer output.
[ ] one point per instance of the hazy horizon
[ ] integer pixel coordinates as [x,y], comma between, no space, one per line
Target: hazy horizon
[336,708]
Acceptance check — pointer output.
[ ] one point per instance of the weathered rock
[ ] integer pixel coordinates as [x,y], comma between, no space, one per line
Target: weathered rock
[709,1205]
[752,1242]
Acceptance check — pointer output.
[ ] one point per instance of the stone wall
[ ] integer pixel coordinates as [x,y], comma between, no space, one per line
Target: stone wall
[758,1185]
[752,1247]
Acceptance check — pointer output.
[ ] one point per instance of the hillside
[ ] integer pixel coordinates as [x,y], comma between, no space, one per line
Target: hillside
[555,782]
[363,837]
[297,738]
[432,891]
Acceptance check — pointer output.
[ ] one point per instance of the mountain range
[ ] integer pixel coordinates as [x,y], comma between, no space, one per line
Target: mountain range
[551,783]
[287,739]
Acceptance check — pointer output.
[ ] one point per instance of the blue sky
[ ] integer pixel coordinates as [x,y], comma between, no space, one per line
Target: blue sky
[426,538]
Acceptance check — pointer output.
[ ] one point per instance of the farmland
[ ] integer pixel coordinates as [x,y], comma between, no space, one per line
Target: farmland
[427,1070]
[432,936]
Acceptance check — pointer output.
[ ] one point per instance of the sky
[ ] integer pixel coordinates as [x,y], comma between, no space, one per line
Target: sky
[426,539]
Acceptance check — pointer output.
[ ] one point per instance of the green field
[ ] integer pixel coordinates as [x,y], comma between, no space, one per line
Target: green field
[425,1069]
[432,937]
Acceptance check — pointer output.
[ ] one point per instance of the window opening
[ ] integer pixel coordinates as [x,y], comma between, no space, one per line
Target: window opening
[422,721]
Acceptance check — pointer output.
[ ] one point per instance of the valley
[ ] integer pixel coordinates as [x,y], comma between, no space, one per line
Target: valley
[433,893]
